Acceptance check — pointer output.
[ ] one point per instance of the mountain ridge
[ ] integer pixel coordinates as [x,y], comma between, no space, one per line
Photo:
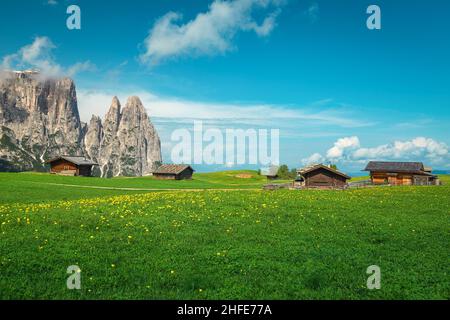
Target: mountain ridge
[39,120]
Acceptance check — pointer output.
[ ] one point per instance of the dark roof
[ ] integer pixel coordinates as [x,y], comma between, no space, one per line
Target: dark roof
[270,172]
[424,173]
[78,160]
[386,166]
[172,168]
[321,166]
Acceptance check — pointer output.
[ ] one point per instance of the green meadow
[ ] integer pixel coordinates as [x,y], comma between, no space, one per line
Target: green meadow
[219,236]
[41,187]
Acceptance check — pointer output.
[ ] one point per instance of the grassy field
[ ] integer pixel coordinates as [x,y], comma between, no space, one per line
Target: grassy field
[39,187]
[220,244]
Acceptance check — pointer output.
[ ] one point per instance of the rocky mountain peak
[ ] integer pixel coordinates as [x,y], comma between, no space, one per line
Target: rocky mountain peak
[39,120]
[96,121]
[134,114]
[135,102]
[112,117]
[129,144]
[93,137]
[115,106]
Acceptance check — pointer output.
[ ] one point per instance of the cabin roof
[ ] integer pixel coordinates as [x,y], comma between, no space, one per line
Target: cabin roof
[78,160]
[321,166]
[172,168]
[394,166]
[428,174]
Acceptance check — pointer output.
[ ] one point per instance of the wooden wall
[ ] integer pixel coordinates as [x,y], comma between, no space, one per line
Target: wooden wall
[62,165]
[400,179]
[322,178]
[165,176]
[85,171]
[184,175]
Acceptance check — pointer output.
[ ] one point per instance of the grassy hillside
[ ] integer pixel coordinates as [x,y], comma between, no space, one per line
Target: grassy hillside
[214,244]
[37,187]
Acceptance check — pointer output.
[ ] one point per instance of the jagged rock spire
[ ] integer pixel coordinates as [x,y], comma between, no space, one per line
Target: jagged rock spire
[130,145]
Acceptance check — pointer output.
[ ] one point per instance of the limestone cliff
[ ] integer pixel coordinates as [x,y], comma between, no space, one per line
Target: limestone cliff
[128,145]
[39,120]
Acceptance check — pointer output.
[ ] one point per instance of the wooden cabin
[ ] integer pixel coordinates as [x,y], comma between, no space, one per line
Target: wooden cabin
[71,166]
[321,176]
[400,173]
[174,172]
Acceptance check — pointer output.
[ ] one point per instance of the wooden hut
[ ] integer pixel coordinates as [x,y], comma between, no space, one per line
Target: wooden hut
[71,166]
[174,172]
[321,176]
[400,173]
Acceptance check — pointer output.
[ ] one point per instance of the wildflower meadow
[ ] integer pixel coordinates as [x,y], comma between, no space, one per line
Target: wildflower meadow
[224,244]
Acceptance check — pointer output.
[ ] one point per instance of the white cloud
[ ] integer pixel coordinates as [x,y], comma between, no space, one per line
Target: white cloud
[341,146]
[184,111]
[209,33]
[348,150]
[313,159]
[266,27]
[417,147]
[38,55]
[80,67]
[52,2]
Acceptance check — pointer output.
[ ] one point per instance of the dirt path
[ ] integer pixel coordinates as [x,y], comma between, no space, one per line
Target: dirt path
[141,189]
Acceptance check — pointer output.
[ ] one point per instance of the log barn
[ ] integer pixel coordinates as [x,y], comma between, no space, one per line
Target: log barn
[400,173]
[71,166]
[321,176]
[174,172]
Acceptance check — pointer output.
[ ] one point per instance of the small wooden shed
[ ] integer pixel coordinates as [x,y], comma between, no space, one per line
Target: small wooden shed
[321,176]
[173,172]
[71,166]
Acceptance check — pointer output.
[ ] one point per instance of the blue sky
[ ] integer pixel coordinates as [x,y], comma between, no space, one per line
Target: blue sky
[337,91]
